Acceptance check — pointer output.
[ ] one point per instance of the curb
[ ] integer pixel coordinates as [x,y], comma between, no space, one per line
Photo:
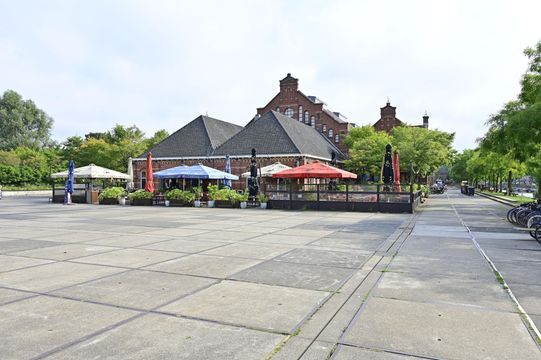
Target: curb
[494,198]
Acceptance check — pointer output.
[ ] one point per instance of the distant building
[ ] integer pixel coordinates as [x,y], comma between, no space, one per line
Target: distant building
[308,110]
[388,119]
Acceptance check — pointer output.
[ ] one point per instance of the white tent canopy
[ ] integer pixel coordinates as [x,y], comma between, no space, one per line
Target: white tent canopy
[92,172]
[269,170]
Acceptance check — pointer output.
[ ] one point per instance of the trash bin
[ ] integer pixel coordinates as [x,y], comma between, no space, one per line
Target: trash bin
[471,190]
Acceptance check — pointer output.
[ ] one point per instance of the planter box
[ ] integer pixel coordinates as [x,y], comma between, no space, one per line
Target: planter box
[225,204]
[141,202]
[109,201]
[179,203]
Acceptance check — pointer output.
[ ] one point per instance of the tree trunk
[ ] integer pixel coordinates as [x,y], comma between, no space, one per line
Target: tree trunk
[509,182]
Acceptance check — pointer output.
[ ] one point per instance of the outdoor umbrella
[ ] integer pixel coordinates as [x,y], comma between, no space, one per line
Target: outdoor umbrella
[200,171]
[227,182]
[315,170]
[269,170]
[387,168]
[396,171]
[92,172]
[149,186]
[171,173]
[129,183]
[71,176]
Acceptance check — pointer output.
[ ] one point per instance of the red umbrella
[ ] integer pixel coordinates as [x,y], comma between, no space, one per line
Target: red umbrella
[315,170]
[149,186]
[396,170]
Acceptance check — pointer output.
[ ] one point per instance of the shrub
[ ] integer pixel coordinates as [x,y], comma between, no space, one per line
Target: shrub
[140,194]
[262,198]
[212,191]
[177,194]
[112,193]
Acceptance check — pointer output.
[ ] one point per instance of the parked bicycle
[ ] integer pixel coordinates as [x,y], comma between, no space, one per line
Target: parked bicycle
[527,216]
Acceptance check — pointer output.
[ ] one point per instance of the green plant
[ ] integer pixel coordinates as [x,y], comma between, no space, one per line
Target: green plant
[112,193]
[241,197]
[262,198]
[177,194]
[197,191]
[140,194]
[212,191]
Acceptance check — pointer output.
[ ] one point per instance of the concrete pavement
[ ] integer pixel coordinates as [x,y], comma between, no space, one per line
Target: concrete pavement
[87,281]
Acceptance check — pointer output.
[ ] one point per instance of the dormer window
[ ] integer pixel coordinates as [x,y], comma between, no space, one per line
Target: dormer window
[289,112]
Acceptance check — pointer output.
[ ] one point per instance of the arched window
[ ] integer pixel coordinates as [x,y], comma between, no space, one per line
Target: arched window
[300,112]
[324,128]
[306,117]
[143,179]
[313,121]
[337,138]
[289,112]
[330,133]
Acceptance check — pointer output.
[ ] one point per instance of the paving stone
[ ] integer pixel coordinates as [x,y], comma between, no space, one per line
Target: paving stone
[529,297]
[272,308]
[437,288]
[315,234]
[66,251]
[250,251]
[362,243]
[295,275]
[224,236]
[131,258]
[166,337]
[137,289]
[205,265]
[351,259]
[10,262]
[353,353]
[23,244]
[441,331]
[496,254]
[445,266]
[72,236]
[281,239]
[176,232]
[186,246]
[520,272]
[33,326]
[7,295]
[53,276]
[128,240]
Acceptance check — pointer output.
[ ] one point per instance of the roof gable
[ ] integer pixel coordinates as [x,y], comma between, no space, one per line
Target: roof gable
[200,137]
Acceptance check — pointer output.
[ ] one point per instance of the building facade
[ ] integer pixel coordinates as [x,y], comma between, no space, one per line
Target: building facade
[388,119]
[308,110]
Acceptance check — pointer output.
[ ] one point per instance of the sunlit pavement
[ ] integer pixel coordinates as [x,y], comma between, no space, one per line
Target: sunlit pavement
[117,282]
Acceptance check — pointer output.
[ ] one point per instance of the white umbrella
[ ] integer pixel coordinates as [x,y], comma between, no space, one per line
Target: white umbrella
[269,170]
[129,184]
[92,172]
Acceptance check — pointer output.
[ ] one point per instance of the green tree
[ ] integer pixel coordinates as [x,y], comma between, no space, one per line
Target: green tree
[158,137]
[22,123]
[366,150]
[458,170]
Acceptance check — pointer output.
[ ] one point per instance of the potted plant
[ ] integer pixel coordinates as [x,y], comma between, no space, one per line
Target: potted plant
[177,197]
[141,197]
[212,192]
[224,198]
[242,199]
[197,195]
[111,196]
[262,198]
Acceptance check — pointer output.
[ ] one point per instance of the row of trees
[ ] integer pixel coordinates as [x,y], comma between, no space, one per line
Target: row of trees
[28,155]
[512,145]
[422,151]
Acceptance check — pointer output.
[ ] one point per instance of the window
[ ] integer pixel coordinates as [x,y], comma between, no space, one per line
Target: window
[143,179]
[278,109]
[300,112]
[306,117]
[289,112]
[330,133]
[324,128]
[337,138]
[313,121]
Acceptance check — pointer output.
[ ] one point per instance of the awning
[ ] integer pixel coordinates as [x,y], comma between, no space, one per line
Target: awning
[315,170]
[92,172]
[171,173]
[269,170]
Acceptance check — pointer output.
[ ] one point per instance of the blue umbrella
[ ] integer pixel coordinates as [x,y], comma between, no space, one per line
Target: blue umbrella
[227,182]
[171,173]
[197,172]
[71,176]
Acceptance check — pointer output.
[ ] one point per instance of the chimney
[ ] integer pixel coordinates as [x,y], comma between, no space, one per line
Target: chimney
[425,121]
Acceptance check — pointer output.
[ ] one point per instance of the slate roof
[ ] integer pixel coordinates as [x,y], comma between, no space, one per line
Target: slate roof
[200,137]
[275,133]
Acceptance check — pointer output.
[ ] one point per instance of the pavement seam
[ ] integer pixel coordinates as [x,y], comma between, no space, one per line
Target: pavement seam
[385,351]
[530,325]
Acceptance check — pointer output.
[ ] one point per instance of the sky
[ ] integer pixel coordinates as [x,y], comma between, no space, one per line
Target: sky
[159,64]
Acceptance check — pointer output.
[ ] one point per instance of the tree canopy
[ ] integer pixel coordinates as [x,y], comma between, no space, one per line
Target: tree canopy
[22,123]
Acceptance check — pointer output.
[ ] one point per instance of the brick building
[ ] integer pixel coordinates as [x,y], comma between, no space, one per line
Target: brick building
[388,119]
[207,141]
[309,110]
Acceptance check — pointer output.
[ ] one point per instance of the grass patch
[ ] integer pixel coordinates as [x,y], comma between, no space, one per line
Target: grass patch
[26,187]
[499,278]
[517,199]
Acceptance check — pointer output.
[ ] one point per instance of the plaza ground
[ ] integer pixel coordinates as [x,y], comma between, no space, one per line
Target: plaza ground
[115,282]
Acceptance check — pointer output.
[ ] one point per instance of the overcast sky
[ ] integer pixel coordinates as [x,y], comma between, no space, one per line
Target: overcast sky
[160,64]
